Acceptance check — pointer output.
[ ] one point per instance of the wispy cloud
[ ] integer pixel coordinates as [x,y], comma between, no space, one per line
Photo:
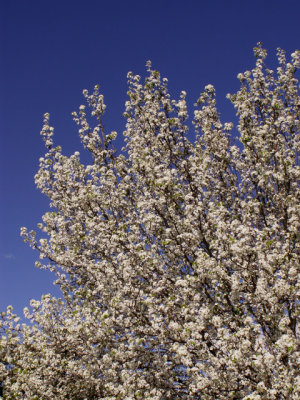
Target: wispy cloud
[9,256]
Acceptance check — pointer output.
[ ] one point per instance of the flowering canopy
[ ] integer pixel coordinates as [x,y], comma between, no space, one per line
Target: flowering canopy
[178,262]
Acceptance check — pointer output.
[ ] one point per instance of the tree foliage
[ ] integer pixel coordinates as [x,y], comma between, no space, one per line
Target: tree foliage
[178,261]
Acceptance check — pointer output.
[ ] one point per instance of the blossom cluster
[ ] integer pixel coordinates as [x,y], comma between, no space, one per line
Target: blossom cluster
[178,261]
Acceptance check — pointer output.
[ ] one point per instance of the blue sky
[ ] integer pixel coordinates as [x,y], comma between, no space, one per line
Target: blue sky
[51,51]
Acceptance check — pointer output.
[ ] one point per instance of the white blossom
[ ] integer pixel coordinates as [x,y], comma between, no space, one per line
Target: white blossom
[177,261]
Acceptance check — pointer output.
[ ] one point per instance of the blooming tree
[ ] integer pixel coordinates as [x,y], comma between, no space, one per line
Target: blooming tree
[178,262]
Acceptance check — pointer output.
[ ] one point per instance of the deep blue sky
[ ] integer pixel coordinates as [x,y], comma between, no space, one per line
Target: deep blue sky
[51,50]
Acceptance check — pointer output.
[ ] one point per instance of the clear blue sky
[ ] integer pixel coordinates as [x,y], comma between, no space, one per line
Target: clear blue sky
[51,50]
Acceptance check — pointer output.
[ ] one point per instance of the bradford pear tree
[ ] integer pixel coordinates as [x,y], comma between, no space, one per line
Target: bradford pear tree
[178,260]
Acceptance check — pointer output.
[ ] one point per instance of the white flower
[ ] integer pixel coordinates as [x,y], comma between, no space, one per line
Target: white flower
[209,88]
[176,260]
